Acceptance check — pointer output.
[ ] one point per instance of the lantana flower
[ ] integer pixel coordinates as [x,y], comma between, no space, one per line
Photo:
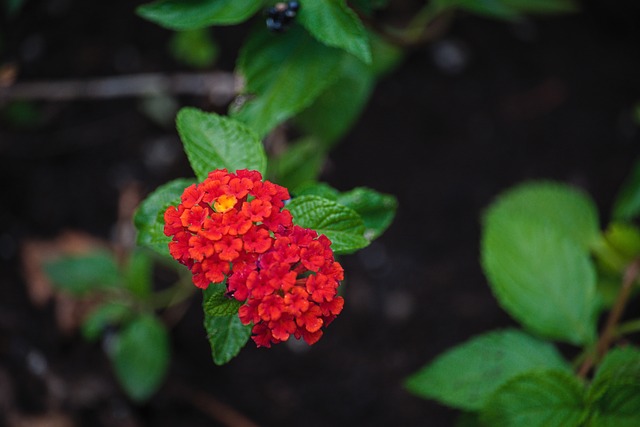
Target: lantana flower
[232,226]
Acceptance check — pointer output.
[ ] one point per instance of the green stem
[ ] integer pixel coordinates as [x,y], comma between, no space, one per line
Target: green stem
[609,331]
[629,327]
[171,296]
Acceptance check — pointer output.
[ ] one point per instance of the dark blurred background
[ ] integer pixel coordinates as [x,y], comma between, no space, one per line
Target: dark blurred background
[487,105]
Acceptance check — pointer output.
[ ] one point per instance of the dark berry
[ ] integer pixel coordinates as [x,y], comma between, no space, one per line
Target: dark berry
[274,25]
[294,5]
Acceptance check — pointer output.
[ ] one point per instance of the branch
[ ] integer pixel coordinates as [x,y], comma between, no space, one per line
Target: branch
[220,87]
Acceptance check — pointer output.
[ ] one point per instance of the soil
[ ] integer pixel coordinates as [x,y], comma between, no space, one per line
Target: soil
[488,105]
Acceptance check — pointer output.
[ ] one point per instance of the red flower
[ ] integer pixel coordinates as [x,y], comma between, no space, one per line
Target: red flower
[232,227]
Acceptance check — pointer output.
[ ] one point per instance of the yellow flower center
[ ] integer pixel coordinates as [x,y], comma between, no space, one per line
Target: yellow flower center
[225,203]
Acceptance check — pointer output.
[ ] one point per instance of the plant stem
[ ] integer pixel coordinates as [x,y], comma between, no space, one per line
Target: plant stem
[171,296]
[609,332]
[628,328]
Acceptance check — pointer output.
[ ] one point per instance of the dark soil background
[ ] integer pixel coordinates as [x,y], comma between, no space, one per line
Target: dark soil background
[488,105]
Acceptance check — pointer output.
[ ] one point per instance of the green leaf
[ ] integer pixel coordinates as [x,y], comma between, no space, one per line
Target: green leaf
[138,273]
[535,256]
[333,23]
[217,142]
[216,303]
[195,48]
[377,210]
[149,216]
[336,110]
[194,14]
[227,335]
[615,391]
[321,189]
[284,74]
[627,204]
[84,273]
[566,209]
[111,313]
[299,164]
[342,225]
[140,356]
[467,375]
[537,399]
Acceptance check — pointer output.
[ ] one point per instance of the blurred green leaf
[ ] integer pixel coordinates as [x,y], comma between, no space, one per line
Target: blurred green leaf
[13,7]
[538,399]
[216,142]
[227,335]
[216,303]
[627,204]
[138,273]
[284,74]
[466,376]
[299,164]
[342,225]
[194,14]
[21,114]
[368,6]
[84,273]
[110,313]
[195,48]
[615,390]
[140,356]
[377,210]
[335,24]
[321,189]
[534,254]
[149,216]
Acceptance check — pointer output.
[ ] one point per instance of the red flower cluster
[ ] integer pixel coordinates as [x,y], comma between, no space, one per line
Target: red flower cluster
[232,226]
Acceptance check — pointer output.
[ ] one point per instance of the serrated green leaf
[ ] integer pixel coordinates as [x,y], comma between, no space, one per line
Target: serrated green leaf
[333,23]
[627,203]
[377,210]
[535,256]
[80,274]
[615,390]
[138,273]
[111,313]
[537,399]
[227,335]
[299,164]
[140,356]
[342,225]
[467,375]
[149,216]
[284,74]
[321,189]
[194,14]
[216,303]
[217,142]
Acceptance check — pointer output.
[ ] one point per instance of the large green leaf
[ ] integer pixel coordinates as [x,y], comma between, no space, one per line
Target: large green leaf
[627,204]
[566,209]
[376,209]
[110,313]
[342,225]
[615,391]
[217,142]
[335,24]
[227,335]
[194,14]
[284,74]
[535,255]
[79,274]
[537,399]
[335,111]
[149,216]
[140,356]
[138,273]
[466,376]
[543,279]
